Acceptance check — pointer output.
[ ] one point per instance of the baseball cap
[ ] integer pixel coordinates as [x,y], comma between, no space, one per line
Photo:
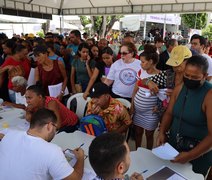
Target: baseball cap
[178,54]
[31,35]
[99,89]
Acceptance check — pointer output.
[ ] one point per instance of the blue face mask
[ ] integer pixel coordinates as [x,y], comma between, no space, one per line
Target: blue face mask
[191,84]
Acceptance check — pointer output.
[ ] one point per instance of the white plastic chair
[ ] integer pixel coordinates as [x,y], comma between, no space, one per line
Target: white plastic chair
[125,102]
[81,104]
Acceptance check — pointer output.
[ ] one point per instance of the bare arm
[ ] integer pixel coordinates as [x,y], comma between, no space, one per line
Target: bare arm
[133,96]
[37,77]
[91,82]
[167,117]
[108,81]
[73,71]
[1,136]
[90,71]
[55,108]
[5,68]
[65,79]
[20,106]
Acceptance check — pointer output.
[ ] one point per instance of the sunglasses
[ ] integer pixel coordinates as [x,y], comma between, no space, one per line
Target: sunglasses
[124,53]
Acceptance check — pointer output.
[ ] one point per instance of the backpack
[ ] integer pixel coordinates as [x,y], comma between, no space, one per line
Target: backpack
[93,124]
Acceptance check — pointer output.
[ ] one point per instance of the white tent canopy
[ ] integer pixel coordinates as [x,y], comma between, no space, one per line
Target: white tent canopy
[96,7]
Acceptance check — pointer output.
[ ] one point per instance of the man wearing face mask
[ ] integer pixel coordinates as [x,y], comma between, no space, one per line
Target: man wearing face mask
[188,117]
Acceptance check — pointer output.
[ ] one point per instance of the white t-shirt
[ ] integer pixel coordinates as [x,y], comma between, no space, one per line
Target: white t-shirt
[19,99]
[124,77]
[25,157]
[209,59]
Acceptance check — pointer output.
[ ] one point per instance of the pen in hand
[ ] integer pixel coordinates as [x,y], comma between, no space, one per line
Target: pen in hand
[81,145]
[144,171]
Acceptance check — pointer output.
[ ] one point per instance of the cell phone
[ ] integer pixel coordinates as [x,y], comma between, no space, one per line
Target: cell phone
[170,79]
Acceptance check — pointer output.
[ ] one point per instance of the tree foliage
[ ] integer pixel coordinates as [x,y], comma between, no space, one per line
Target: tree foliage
[98,24]
[207,32]
[195,21]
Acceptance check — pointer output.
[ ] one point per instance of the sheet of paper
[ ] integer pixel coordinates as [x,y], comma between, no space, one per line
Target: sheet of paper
[54,90]
[166,152]
[31,78]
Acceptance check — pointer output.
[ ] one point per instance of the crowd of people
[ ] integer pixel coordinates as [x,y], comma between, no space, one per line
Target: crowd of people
[169,89]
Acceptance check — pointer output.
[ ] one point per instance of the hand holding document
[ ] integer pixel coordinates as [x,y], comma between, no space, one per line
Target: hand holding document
[166,152]
[54,90]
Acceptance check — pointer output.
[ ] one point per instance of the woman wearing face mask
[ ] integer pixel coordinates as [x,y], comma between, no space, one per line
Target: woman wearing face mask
[101,69]
[188,117]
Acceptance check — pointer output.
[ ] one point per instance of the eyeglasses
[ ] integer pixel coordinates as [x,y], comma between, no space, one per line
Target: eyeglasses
[124,53]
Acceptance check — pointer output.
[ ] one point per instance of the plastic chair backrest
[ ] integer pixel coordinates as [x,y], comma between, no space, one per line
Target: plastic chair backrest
[80,104]
[125,102]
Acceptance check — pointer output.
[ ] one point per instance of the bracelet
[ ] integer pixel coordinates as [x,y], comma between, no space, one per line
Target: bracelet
[147,81]
[62,92]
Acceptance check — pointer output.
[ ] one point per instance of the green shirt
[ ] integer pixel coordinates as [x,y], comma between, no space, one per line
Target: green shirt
[82,76]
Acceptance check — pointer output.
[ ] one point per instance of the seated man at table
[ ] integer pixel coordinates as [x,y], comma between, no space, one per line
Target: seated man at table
[19,86]
[115,115]
[66,120]
[30,155]
[109,156]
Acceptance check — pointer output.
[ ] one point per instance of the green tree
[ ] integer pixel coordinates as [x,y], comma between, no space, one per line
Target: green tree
[207,32]
[100,24]
[195,21]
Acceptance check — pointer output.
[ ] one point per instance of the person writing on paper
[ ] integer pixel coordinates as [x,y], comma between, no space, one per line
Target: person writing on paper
[19,86]
[49,72]
[109,156]
[188,117]
[30,155]
[66,120]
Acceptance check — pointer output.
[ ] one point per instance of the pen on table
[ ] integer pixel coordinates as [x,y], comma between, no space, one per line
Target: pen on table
[144,171]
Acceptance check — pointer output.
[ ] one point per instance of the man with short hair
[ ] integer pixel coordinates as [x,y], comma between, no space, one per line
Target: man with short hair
[159,43]
[103,43]
[164,56]
[30,155]
[115,115]
[198,44]
[75,40]
[109,156]
[85,36]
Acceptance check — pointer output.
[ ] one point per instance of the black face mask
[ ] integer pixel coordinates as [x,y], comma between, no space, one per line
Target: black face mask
[191,84]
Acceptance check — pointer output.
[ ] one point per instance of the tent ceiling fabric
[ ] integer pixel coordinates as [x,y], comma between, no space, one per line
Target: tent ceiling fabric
[97,7]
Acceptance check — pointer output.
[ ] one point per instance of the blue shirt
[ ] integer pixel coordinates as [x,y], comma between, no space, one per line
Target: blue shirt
[73,52]
[56,57]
